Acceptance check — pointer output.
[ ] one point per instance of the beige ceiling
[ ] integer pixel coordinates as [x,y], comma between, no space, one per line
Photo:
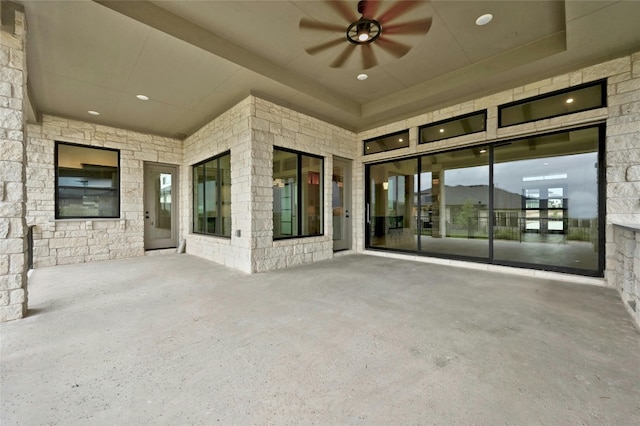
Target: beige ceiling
[195,59]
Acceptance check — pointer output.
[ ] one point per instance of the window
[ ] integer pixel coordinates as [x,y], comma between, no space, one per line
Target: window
[87,182]
[387,143]
[297,194]
[457,126]
[534,202]
[392,205]
[212,196]
[568,101]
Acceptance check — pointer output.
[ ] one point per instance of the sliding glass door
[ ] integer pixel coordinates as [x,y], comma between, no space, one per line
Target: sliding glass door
[532,202]
[556,221]
[392,210]
[454,203]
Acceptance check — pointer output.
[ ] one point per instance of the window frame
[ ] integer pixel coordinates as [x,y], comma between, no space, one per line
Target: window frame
[218,196]
[56,159]
[603,102]
[490,146]
[390,135]
[450,120]
[300,208]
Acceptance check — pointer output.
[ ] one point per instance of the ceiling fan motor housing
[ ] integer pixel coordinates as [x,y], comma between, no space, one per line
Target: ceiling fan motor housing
[364,31]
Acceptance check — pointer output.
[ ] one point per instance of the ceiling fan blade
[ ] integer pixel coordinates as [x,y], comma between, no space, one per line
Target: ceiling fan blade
[324,46]
[370,8]
[342,58]
[393,47]
[398,9]
[420,26]
[317,25]
[344,10]
[368,57]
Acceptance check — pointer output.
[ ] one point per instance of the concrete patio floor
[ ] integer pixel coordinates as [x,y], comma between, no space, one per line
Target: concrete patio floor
[355,340]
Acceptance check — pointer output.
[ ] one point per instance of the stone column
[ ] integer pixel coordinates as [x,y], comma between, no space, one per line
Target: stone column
[13,226]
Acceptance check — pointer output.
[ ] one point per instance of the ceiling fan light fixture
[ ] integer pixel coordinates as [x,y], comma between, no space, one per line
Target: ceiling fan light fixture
[364,31]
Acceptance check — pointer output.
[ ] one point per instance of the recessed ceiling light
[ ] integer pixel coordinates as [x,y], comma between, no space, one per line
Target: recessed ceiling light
[92,112]
[400,140]
[362,77]
[484,19]
[482,151]
[142,97]
[441,130]
[569,101]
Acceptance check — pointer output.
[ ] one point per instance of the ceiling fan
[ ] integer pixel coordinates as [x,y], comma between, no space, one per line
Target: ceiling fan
[371,29]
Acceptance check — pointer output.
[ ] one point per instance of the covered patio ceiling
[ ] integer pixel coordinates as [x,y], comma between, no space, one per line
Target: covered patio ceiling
[195,59]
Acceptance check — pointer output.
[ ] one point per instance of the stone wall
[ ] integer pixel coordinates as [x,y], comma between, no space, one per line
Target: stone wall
[13,227]
[228,132]
[63,241]
[625,275]
[274,125]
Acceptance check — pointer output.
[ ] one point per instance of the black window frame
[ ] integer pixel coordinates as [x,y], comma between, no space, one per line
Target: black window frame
[450,120]
[57,176]
[299,154]
[490,146]
[218,196]
[603,102]
[390,135]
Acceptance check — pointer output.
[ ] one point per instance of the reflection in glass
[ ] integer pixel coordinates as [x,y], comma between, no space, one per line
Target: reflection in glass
[297,194]
[543,204]
[311,195]
[454,203]
[387,143]
[285,193]
[338,202]
[198,199]
[392,209]
[581,98]
[224,165]
[557,178]
[457,126]
[212,196]
[162,223]
[88,182]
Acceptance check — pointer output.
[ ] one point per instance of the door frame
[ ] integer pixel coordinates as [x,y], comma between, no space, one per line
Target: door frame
[147,197]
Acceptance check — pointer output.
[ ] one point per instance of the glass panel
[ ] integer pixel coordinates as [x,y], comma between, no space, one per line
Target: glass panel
[393,211]
[311,195]
[224,164]
[560,172]
[338,203]
[285,205]
[88,182]
[454,211]
[212,196]
[211,200]
[387,143]
[198,199]
[162,184]
[458,126]
[566,102]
